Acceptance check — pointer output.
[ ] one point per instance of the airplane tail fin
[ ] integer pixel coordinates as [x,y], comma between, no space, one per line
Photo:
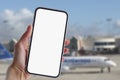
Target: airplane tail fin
[4,53]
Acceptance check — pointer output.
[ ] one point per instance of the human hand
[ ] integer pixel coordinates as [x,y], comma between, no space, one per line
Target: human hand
[20,55]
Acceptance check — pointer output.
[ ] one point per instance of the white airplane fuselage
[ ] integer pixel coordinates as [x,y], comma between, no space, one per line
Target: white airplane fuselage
[87,62]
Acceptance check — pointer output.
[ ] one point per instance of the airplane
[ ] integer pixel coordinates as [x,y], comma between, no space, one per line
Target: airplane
[87,62]
[5,55]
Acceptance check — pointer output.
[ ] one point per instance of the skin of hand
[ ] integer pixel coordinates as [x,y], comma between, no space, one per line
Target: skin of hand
[20,56]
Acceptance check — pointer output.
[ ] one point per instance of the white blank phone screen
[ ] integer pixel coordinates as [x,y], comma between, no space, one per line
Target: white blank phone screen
[47,42]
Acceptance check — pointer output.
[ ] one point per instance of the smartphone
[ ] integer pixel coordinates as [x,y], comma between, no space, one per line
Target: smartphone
[47,42]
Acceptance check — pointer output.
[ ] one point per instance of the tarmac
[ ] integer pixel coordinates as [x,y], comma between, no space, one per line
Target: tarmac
[79,73]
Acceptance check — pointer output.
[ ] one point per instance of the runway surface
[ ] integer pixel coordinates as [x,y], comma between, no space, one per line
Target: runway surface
[78,74]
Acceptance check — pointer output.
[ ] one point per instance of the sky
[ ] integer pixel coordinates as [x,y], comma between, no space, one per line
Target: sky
[85,17]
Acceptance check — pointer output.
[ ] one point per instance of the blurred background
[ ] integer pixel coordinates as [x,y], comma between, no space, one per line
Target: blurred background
[93,29]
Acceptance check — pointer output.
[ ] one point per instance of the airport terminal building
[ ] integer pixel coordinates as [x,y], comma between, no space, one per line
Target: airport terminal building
[95,45]
[102,44]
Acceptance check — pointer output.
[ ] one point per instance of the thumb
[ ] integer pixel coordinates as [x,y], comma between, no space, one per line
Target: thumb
[27,34]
